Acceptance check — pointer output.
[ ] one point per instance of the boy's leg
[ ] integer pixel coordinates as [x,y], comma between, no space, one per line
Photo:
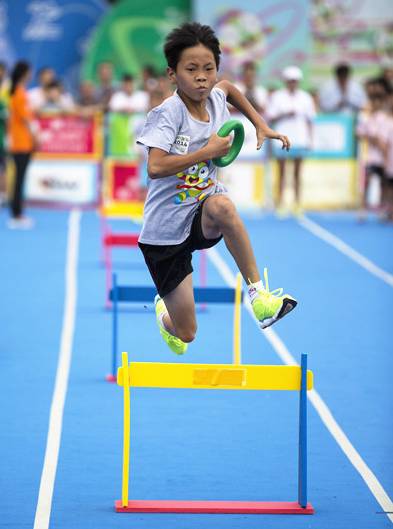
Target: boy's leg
[180,320]
[219,216]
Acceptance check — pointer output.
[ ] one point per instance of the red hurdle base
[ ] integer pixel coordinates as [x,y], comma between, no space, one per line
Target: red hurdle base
[111,378]
[215,507]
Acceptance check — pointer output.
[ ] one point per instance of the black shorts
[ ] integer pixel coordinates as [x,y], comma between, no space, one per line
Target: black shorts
[169,265]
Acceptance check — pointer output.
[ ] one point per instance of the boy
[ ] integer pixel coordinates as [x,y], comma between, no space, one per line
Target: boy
[186,208]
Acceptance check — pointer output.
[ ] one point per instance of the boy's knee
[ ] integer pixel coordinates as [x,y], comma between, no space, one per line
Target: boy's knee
[222,209]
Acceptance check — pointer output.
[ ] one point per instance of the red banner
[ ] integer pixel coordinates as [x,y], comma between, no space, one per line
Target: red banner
[67,135]
[125,181]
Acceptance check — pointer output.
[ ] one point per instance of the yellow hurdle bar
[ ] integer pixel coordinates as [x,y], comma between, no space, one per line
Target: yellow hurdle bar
[122,209]
[237,358]
[213,376]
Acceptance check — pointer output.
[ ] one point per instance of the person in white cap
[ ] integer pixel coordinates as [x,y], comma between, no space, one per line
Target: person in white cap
[292,110]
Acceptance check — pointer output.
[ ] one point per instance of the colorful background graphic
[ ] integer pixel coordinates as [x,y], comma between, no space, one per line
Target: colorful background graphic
[132,33]
[36,30]
[271,33]
[313,34]
[357,31]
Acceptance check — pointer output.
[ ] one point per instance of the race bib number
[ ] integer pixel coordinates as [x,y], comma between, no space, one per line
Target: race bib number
[182,143]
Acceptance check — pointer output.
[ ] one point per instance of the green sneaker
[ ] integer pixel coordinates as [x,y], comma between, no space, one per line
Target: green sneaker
[270,307]
[175,344]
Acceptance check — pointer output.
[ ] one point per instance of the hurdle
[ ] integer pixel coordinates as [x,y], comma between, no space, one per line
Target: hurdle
[110,239]
[202,294]
[224,377]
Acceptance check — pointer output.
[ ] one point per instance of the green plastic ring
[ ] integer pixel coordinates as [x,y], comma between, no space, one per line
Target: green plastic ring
[225,130]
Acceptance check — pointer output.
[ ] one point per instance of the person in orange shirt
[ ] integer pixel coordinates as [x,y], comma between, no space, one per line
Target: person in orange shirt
[21,140]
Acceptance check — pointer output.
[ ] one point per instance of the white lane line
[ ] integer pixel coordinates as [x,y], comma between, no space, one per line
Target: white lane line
[320,406]
[48,476]
[344,248]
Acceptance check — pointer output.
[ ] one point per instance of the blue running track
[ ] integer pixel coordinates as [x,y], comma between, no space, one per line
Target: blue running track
[196,444]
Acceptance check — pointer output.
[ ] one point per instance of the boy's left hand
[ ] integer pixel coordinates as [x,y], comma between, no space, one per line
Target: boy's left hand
[263,134]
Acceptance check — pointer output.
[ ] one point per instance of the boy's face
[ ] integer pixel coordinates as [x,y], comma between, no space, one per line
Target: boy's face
[196,73]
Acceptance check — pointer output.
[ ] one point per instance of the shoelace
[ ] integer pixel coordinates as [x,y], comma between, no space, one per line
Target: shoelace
[277,292]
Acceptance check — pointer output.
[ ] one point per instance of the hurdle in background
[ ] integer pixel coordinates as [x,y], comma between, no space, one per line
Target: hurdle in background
[110,239]
[202,294]
[216,376]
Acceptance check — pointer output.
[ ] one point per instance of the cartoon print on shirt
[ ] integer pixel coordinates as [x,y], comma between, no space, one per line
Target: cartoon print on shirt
[196,181]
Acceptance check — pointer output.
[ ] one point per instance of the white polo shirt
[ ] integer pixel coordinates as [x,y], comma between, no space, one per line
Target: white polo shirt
[297,126]
[138,101]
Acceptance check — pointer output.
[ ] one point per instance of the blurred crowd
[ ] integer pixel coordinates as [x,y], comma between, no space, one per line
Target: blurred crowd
[289,109]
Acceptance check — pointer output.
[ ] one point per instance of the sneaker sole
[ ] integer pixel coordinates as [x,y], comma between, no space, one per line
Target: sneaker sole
[288,305]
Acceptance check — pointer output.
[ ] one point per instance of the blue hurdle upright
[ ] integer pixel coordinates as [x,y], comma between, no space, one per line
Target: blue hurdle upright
[136,294]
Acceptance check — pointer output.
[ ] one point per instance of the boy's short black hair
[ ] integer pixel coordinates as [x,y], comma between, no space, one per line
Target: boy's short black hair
[189,35]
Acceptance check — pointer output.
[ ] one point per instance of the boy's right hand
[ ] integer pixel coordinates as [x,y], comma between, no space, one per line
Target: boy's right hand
[218,146]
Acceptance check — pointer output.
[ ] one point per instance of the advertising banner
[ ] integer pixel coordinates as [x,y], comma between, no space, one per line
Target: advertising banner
[122,183]
[332,138]
[69,136]
[62,183]
[54,33]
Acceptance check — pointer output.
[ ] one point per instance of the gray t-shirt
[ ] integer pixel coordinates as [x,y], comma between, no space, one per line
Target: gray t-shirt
[172,201]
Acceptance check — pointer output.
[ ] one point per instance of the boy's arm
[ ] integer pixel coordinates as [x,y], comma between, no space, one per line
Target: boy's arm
[239,101]
[161,164]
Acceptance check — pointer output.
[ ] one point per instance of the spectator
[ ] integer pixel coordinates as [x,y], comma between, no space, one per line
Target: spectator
[387,76]
[387,149]
[87,103]
[87,94]
[105,86]
[4,100]
[37,94]
[56,102]
[256,95]
[370,128]
[342,94]
[127,100]
[22,140]
[375,87]
[292,110]
[4,82]
[149,79]
[163,90]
